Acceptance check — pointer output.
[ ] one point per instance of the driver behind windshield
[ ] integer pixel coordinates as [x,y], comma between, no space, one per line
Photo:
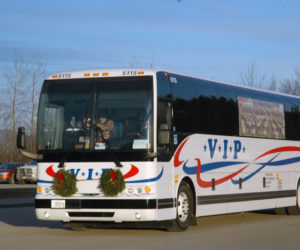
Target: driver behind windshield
[105,126]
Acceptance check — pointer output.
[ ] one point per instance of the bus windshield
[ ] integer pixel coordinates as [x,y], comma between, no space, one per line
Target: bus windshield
[96,114]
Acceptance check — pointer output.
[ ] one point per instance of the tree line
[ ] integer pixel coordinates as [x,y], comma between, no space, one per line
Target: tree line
[20,88]
[252,77]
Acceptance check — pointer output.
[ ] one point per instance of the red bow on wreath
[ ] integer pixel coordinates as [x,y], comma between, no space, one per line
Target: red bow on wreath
[113,176]
[60,177]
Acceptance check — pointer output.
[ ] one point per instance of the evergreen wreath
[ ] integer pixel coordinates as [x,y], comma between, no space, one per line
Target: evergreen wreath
[64,183]
[112,182]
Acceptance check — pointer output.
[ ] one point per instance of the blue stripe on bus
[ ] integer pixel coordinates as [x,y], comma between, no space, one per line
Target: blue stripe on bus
[210,166]
[148,180]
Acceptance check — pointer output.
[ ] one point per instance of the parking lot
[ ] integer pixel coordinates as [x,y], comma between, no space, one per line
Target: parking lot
[20,229]
[17,190]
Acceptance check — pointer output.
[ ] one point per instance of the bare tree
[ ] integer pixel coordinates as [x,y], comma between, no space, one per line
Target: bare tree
[134,62]
[152,61]
[19,104]
[14,77]
[36,73]
[252,77]
[292,85]
[273,84]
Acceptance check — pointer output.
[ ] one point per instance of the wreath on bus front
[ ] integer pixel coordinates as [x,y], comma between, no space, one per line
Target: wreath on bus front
[64,183]
[112,182]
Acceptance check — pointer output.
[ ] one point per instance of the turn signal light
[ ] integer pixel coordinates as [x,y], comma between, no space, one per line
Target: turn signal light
[147,190]
[39,189]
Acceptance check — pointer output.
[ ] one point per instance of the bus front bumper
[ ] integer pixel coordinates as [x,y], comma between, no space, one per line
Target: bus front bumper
[105,210]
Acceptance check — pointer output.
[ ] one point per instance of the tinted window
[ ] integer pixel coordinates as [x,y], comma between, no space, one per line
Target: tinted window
[207,108]
[292,120]
[185,99]
[96,114]
[164,107]
[163,86]
[227,107]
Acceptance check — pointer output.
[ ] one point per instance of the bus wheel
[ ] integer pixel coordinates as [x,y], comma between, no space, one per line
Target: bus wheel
[296,209]
[184,208]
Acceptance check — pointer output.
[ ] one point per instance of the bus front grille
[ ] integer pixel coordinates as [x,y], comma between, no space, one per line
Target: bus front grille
[91,214]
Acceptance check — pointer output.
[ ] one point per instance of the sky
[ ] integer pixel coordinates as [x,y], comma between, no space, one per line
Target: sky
[215,39]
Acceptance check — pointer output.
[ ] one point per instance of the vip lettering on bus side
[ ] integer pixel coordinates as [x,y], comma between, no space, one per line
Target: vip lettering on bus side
[213,144]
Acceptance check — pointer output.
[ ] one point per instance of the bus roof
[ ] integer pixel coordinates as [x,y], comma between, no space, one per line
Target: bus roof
[125,72]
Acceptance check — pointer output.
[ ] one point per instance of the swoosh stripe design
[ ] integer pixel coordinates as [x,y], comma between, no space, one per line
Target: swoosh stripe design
[202,168]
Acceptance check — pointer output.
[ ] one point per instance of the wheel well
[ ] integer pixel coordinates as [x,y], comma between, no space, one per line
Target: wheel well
[190,183]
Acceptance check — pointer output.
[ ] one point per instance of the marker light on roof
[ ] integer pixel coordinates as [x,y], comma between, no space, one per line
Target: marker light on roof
[96,74]
[54,76]
[86,74]
[105,74]
[141,73]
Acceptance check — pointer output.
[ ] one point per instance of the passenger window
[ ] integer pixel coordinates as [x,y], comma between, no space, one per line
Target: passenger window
[227,106]
[207,109]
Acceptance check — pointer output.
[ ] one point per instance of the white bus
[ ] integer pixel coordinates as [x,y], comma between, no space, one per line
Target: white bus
[186,147]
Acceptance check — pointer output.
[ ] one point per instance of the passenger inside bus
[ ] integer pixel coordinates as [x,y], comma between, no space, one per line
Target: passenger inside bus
[86,122]
[104,125]
[78,134]
[136,127]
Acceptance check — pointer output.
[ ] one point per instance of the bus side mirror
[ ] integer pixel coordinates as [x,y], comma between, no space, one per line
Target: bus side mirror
[21,138]
[164,134]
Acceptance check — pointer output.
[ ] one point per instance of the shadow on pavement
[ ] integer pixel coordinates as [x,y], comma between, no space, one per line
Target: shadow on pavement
[20,211]
[21,216]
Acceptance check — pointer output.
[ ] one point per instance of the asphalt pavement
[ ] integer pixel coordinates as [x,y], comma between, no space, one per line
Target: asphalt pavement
[17,195]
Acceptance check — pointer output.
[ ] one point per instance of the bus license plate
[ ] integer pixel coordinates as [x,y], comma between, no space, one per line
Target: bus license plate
[58,203]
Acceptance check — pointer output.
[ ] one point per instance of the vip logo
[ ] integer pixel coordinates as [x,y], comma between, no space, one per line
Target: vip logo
[88,174]
[225,146]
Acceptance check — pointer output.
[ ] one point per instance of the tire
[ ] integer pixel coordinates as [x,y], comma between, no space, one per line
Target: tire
[184,208]
[296,209]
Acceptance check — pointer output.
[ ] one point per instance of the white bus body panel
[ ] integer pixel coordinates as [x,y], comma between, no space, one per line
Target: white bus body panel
[248,174]
[137,175]
[244,171]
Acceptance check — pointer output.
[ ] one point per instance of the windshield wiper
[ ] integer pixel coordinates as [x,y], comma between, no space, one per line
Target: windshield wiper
[108,146]
[66,156]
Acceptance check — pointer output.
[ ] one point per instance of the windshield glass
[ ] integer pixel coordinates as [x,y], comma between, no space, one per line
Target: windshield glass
[96,114]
